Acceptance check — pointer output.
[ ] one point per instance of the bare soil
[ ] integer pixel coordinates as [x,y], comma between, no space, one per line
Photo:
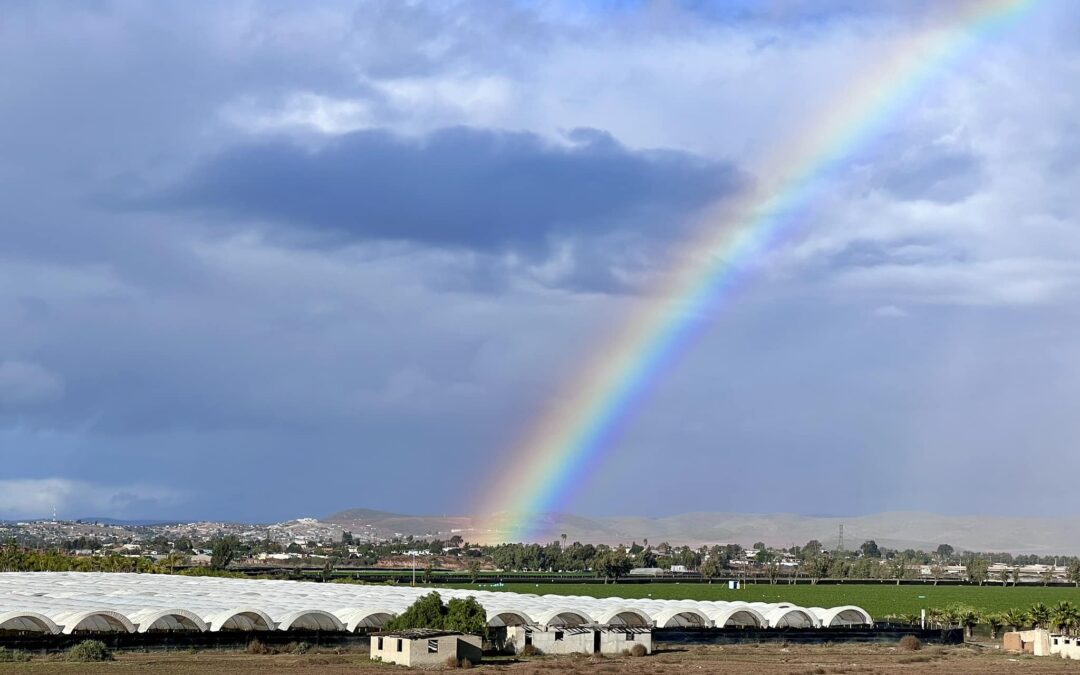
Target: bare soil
[733,660]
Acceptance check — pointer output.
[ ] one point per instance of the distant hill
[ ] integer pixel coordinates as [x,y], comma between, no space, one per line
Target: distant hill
[355,514]
[127,523]
[1046,536]
[395,524]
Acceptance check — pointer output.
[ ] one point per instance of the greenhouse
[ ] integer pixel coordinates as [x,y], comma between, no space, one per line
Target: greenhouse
[82,602]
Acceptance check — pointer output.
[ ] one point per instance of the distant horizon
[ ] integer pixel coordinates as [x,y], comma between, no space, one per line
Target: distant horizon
[271,521]
[899,530]
[274,520]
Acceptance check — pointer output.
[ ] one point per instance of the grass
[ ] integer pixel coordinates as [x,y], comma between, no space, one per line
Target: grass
[876,599]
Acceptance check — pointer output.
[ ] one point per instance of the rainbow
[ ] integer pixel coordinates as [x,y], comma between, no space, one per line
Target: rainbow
[567,443]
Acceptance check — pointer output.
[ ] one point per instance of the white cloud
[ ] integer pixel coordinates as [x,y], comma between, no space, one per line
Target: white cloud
[325,114]
[999,282]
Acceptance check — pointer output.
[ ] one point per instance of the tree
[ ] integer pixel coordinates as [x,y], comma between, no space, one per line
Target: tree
[1015,618]
[712,567]
[899,568]
[1073,572]
[429,611]
[870,549]
[773,572]
[978,570]
[612,565]
[944,551]
[937,571]
[1065,617]
[465,615]
[224,550]
[816,567]
[951,616]
[1039,614]
[813,548]
[175,559]
[995,621]
[759,546]
[935,616]
[473,566]
[907,619]
[967,618]
[647,558]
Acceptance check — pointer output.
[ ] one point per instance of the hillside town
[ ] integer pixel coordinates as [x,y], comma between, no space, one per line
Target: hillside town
[309,543]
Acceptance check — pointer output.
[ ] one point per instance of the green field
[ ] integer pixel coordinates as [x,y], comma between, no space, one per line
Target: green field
[878,600]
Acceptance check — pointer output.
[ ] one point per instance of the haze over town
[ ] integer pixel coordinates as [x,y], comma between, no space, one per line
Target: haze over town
[261,262]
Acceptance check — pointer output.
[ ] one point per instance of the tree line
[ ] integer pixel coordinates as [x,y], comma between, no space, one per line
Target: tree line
[1064,618]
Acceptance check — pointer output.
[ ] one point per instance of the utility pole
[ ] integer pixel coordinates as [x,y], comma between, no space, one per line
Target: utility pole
[840,539]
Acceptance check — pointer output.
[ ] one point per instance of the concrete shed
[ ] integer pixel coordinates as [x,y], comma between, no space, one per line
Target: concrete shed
[579,639]
[425,647]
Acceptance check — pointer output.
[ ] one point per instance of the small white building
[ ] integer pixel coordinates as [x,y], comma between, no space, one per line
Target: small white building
[1065,646]
[579,639]
[425,647]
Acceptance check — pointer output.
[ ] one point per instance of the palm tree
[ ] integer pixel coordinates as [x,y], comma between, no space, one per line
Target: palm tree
[995,621]
[950,617]
[908,619]
[1039,615]
[969,618]
[1065,616]
[1015,618]
[936,617]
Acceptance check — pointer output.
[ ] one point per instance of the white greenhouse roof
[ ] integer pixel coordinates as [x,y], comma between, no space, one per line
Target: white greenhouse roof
[68,602]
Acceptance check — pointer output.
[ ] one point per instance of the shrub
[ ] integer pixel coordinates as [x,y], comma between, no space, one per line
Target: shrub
[256,647]
[452,662]
[529,650]
[89,651]
[910,643]
[638,650]
[12,656]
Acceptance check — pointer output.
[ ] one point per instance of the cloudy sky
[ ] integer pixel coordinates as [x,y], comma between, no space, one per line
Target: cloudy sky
[268,260]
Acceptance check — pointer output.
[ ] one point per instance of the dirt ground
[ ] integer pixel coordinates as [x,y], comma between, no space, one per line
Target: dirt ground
[740,659]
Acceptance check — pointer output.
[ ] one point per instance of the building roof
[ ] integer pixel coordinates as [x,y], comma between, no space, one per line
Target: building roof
[418,633]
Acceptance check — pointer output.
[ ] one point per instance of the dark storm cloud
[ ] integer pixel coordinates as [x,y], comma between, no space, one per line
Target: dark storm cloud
[474,188]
